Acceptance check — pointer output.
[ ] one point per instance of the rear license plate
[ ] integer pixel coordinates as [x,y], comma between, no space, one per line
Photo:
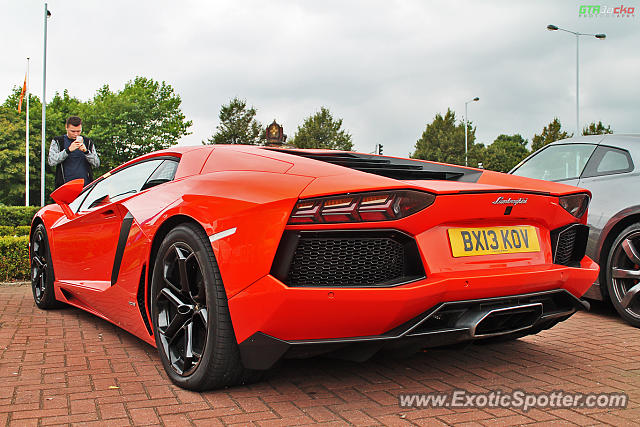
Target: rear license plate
[493,240]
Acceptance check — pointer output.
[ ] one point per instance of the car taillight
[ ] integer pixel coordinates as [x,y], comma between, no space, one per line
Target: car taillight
[575,204]
[375,206]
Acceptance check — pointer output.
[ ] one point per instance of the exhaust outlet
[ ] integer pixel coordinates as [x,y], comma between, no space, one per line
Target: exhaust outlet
[501,321]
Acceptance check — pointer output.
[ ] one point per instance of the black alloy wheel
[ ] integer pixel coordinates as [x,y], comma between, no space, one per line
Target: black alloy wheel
[42,270]
[623,274]
[189,308]
[182,314]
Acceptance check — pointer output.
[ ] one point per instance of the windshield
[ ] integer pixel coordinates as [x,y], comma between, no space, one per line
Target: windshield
[557,162]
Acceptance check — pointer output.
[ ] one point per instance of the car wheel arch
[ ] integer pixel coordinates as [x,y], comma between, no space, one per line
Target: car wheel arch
[619,292]
[34,224]
[164,229]
[606,241]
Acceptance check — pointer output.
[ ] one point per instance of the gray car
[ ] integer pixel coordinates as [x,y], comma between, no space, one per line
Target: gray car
[609,167]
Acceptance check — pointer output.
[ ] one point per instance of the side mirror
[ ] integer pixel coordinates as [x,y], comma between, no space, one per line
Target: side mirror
[67,194]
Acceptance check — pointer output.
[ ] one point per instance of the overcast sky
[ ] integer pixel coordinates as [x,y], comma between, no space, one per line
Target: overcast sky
[385,67]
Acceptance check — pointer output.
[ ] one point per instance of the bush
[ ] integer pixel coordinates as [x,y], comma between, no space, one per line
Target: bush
[17,215]
[14,258]
[21,230]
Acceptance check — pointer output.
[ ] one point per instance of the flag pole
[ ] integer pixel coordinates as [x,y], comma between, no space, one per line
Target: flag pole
[44,105]
[26,156]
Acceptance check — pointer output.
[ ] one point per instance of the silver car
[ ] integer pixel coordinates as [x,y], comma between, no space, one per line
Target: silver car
[608,166]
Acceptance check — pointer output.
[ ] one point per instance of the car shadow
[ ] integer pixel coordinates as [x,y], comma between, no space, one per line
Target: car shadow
[602,308]
[471,366]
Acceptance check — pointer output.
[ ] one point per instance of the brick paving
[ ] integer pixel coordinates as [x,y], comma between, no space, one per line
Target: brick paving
[66,367]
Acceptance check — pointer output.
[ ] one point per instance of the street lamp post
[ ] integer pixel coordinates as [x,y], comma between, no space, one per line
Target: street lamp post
[47,14]
[465,129]
[598,36]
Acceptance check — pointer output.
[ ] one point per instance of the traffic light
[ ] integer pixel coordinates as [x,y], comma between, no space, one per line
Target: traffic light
[380,149]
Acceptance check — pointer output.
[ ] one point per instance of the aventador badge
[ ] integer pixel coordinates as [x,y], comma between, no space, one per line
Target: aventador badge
[502,201]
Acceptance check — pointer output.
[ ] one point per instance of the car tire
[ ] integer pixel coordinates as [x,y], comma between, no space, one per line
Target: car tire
[42,270]
[191,322]
[623,274]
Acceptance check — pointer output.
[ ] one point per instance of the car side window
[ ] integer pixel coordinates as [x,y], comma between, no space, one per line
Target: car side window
[121,184]
[164,173]
[557,162]
[608,161]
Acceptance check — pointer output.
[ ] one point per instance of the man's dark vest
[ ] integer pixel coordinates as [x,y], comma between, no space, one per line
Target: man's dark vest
[59,174]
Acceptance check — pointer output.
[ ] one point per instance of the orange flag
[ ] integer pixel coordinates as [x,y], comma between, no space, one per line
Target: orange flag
[24,90]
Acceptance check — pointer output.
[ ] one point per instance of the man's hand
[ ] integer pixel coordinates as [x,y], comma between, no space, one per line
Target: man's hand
[75,145]
[78,144]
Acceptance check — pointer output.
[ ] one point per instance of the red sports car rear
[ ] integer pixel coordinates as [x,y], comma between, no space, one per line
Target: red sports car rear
[244,255]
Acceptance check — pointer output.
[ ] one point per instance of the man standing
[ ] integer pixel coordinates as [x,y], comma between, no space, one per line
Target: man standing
[73,155]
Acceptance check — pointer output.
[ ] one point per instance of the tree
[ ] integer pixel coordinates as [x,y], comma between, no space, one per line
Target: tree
[143,117]
[596,129]
[59,109]
[12,151]
[12,148]
[552,132]
[238,125]
[505,152]
[443,141]
[321,130]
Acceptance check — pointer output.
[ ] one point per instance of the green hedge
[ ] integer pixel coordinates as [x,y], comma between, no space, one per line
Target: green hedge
[14,258]
[17,215]
[21,230]
[15,222]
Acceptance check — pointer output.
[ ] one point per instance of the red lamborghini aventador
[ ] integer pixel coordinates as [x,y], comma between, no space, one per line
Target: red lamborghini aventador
[229,258]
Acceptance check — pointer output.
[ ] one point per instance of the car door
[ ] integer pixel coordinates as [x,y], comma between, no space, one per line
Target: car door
[85,246]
